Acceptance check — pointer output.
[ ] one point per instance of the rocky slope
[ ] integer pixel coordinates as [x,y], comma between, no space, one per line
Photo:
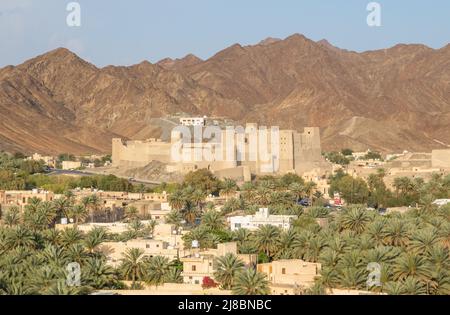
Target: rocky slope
[391,99]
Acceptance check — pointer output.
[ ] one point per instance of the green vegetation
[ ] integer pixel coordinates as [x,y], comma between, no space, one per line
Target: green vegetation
[22,174]
[338,158]
[373,156]
[34,257]
[412,248]
[407,191]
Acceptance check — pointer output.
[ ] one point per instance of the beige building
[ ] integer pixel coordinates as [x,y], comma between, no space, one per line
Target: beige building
[71,165]
[288,276]
[168,289]
[440,159]
[199,265]
[48,160]
[22,197]
[150,208]
[114,251]
[233,152]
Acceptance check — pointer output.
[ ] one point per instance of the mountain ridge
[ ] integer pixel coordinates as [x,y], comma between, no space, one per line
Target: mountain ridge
[402,93]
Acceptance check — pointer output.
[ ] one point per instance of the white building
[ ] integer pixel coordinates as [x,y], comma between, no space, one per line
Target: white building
[71,165]
[193,121]
[261,218]
[441,202]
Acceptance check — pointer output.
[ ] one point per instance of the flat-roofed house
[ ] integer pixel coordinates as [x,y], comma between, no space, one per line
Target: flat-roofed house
[199,265]
[261,218]
[287,276]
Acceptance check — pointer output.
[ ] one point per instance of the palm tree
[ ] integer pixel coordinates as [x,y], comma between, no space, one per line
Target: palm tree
[173,276]
[12,216]
[376,230]
[397,233]
[227,268]
[78,213]
[149,228]
[440,285]
[94,238]
[297,189]
[313,249]
[423,240]
[439,258]
[133,265]
[381,254]
[402,185]
[136,227]
[286,241]
[190,213]
[394,288]
[98,275]
[329,258]
[131,213]
[175,218]
[156,270]
[52,237]
[62,206]
[93,204]
[329,277]
[352,278]
[410,264]
[310,188]
[213,220]
[355,219]
[241,236]
[229,188]
[33,204]
[47,210]
[53,255]
[200,234]
[76,253]
[20,237]
[177,200]
[70,236]
[412,286]
[263,196]
[317,289]
[250,282]
[266,239]
[198,197]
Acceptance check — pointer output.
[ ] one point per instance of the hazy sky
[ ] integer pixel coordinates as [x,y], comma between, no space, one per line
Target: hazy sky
[127,32]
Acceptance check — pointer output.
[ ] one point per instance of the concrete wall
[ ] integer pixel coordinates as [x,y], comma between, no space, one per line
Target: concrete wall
[289,272]
[299,152]
[140,153]
[440,159]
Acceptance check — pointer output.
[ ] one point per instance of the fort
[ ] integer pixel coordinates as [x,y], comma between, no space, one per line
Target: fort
[227,152]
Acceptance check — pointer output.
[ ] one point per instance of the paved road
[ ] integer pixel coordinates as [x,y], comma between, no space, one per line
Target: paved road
[90,173]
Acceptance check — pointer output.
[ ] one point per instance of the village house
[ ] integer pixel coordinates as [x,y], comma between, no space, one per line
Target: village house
[261,218]
[21,198]
[150,208]
[288,276]
[114,251]
[48,160]
[199,265]
[70,165]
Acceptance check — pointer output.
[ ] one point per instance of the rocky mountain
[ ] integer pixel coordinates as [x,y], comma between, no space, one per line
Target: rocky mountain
[390,100]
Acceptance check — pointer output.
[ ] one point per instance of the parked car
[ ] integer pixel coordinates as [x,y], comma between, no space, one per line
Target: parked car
[305,202]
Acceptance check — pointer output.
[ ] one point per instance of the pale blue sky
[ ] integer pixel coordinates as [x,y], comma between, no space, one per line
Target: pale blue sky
[127,32]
